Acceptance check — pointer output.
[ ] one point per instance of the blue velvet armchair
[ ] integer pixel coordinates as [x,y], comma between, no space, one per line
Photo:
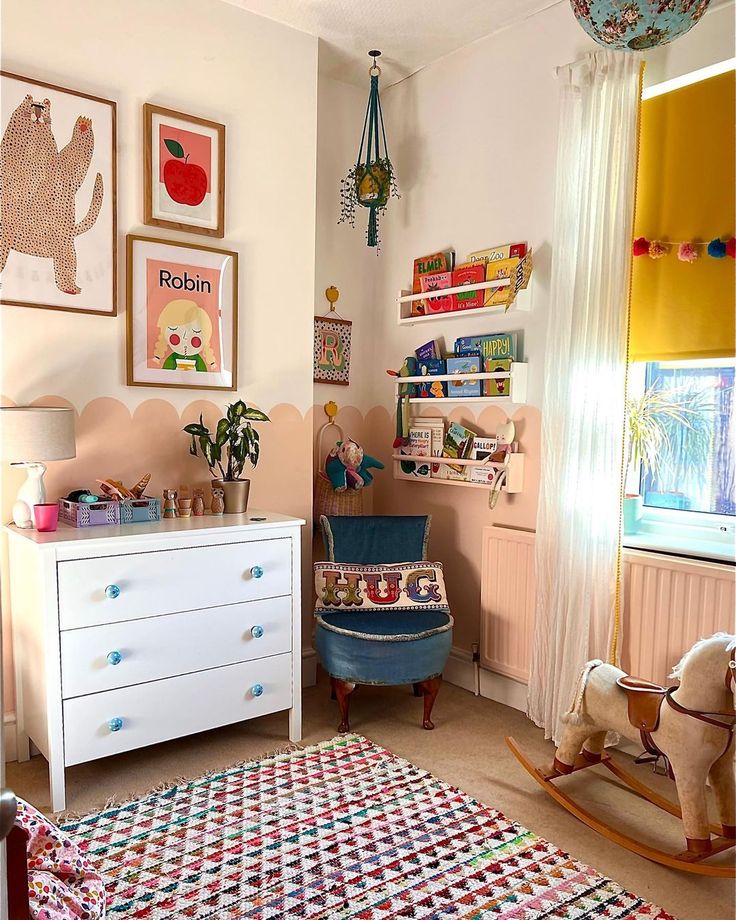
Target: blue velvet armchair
[381,647]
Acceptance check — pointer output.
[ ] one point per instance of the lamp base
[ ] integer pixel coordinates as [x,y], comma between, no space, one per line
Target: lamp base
[32,492]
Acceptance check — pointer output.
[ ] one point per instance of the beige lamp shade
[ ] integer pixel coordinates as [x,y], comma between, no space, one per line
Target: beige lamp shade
[36,433]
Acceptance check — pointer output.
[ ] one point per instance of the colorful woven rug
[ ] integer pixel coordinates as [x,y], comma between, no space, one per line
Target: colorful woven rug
[340,831]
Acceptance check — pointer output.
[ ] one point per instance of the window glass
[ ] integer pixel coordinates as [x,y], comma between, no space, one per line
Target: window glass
[695,468]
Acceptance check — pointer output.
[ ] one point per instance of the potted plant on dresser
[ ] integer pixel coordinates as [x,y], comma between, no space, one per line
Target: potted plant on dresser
[235,443]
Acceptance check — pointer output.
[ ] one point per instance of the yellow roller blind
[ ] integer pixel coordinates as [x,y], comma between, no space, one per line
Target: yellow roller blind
[685,191]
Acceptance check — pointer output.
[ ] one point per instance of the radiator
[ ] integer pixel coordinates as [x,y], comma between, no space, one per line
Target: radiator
[668,604]
[507,601]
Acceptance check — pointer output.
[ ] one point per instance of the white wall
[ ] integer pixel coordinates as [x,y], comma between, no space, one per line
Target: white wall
[206,58]
[259,78]
[473,139]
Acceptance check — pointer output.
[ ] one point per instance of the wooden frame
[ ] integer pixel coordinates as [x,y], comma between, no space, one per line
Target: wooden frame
[688,861]
[317,375]
[114,204]
[131,240]
[218,158]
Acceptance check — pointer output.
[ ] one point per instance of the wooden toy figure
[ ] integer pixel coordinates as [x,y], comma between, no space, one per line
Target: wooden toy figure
[218,501]
[169,503]
[198,503]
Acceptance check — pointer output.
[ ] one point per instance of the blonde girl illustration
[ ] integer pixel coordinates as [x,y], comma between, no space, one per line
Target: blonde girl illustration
[185,333]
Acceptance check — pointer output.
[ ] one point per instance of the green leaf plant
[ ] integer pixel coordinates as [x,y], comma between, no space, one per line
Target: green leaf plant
[669,431]
[235,441]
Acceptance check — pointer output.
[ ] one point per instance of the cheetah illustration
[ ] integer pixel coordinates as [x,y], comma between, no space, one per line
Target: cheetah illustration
[38,189]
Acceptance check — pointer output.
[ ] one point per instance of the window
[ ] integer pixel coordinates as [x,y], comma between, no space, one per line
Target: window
[685,464]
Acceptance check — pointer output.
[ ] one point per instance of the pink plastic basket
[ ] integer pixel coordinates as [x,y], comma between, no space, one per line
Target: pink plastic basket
[80,514]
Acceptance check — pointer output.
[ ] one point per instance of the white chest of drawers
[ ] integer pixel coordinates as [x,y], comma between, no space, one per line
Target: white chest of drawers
[127,636]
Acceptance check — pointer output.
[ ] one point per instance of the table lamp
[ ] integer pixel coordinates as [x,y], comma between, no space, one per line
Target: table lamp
[31,434]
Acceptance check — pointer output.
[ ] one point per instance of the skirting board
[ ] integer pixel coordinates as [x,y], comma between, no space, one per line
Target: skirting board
[500,689]
[459,671]
[309,679]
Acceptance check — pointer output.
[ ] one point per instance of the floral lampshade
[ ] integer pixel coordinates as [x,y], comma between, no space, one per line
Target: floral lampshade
[636,25]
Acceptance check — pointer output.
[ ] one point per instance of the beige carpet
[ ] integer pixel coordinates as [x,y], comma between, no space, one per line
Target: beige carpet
[466,749]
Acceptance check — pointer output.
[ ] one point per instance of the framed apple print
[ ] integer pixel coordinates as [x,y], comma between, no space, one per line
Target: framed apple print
[182,315]
[184,159]
[57,198]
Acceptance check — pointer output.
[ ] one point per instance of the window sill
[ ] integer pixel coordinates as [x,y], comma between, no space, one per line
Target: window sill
[652,538]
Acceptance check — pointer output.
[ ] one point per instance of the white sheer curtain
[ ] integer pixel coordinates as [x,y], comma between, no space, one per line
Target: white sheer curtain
[578,523]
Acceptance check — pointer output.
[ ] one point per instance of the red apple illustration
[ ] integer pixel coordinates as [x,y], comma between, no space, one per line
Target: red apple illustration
[185,182]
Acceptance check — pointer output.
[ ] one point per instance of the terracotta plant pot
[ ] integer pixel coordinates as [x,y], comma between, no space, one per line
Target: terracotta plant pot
[236,494]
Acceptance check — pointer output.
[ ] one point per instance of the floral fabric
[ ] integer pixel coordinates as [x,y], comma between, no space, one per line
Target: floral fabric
[62,884]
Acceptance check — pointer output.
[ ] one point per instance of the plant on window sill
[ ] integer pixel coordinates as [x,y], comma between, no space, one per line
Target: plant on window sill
[654,422]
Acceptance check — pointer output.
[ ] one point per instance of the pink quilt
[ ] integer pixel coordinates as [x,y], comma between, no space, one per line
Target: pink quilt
[62,884]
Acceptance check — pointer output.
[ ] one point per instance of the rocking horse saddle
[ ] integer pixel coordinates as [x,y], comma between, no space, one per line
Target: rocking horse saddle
[644,701]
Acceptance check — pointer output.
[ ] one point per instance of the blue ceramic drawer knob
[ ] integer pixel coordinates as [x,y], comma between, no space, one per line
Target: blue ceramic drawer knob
[114,657]
[115,724]
[256,571]
[257,632]
[112,591]
[257,689]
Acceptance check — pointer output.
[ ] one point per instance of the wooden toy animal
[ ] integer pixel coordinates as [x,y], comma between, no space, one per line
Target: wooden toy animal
[690,726]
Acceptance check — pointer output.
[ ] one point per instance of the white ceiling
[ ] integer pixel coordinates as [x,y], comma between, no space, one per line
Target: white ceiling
[410,33]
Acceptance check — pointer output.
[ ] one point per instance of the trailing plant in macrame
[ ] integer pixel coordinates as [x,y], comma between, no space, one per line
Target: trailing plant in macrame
[371,181]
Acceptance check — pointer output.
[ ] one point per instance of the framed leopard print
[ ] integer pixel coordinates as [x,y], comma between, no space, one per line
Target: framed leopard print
[58,198]
[184,172]
[182,315]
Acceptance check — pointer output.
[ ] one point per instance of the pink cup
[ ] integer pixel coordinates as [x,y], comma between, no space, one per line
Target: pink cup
[46,517]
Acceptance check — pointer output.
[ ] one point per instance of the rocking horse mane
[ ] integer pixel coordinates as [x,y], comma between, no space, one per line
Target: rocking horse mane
[730,645]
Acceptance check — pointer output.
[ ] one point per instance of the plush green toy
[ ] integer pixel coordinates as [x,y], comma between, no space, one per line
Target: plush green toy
[347,467]
[405,393]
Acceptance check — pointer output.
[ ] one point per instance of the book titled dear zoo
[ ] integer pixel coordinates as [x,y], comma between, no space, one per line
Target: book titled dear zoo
[58,198]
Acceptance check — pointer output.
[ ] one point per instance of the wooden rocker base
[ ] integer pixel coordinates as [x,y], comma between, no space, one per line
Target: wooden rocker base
[687,861]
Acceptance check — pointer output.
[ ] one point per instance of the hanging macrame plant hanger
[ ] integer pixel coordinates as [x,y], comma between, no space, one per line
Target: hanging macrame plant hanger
[371,182]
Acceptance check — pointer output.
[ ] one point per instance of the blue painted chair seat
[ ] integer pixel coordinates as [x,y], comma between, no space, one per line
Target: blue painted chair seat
[384,647]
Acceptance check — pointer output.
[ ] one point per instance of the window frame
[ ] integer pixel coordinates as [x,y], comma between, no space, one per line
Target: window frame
[693,534]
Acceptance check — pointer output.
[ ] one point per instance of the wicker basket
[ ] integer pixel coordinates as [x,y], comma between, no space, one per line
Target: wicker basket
[326,499]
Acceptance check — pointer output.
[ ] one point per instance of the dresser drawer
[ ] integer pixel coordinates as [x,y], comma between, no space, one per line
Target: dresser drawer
[171,708]
[121,654]
[110,589]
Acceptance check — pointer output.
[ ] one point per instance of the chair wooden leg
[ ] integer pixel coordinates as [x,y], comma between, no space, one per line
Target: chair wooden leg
[342,690]
[430,688]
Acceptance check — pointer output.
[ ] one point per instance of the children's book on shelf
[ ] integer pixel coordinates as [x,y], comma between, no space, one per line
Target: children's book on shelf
[468,274]
[458,445]
[428,350]
[492,348]
[428,265]
[420,445]
[484,447]
[499,386]
[497,253]
[502,345]
[437,281]
[497,271]
[437,427]
[431,389]
[483,474]
[464,364]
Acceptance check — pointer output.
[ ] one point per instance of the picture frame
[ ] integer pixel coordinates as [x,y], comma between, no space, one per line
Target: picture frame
[182,326]
[61,254]
[331,355]
[184,172]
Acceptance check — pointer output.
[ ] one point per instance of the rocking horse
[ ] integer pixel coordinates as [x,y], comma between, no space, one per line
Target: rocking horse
[690,727]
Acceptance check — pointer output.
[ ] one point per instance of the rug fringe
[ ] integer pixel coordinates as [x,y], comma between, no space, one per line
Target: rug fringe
[73,817]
